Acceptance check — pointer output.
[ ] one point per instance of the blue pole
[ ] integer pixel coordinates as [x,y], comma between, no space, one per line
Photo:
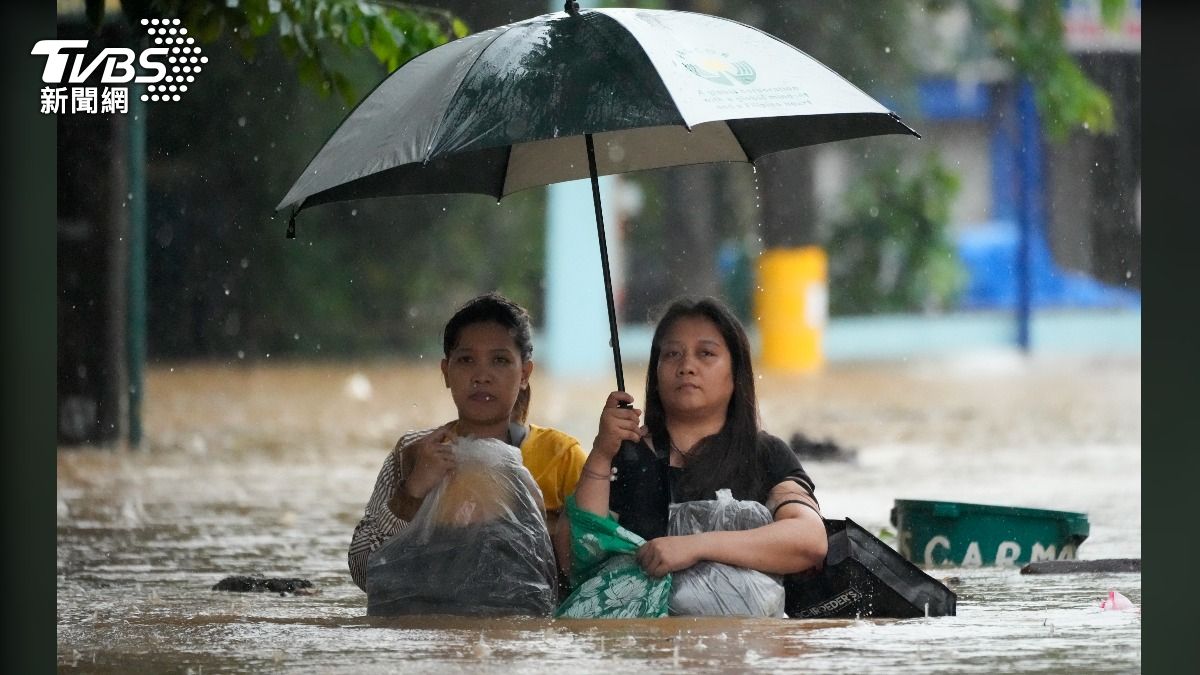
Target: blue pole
[577,335]
[577,339]
[1030,214]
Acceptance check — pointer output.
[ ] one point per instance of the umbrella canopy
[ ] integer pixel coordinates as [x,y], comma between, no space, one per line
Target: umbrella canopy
[580,94]
[508,108]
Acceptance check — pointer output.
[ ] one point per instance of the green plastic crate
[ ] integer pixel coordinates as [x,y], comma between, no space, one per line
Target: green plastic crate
[941,534]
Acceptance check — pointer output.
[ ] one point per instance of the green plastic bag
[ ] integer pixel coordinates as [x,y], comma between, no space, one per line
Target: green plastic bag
[607,580]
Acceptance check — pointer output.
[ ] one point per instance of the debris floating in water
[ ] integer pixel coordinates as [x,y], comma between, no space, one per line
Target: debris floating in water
[1103,566]
[1116,601]
[248,584]
[807,448]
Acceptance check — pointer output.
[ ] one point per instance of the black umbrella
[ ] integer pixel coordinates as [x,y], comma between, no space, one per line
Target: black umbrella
[581,94]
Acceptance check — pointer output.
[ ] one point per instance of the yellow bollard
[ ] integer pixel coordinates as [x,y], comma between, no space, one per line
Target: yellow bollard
[792,303]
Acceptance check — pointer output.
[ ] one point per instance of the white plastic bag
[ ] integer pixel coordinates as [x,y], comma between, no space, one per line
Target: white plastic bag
[477,546]
[716,589]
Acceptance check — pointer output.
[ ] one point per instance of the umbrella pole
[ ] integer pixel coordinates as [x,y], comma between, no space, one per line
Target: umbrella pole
[614,341]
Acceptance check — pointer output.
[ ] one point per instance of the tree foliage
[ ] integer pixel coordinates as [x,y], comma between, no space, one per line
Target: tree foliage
[1029,34]
[893,250]
[307,30]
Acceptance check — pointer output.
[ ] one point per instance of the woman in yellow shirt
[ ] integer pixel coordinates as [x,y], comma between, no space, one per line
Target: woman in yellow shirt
[488,360]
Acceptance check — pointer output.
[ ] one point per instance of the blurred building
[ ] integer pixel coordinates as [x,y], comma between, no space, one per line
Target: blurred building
[1086,245]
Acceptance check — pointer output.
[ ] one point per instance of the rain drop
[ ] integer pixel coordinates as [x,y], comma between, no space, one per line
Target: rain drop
[1128,274]
[887,50]
[241,354]
[353,212]
[245,263]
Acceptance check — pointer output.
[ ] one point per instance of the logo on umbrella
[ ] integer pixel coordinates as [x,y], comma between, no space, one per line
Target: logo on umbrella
[716,67]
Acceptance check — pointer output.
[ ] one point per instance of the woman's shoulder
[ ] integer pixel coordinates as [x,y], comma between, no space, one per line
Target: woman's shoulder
[769,442]
[551,437]
[782,462]
[409,437]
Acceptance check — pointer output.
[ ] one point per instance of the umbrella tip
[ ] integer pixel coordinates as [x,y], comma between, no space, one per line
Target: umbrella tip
[897,120]
[571,7]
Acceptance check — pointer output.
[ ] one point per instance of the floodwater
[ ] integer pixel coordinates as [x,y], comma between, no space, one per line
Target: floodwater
[264,470]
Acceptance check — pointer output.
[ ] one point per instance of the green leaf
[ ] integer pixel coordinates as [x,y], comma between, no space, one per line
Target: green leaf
[248,49]
[260,24]
[208,27]
[459,28]
[356,34]
[344,88]
[309,69]
[287,44]
[383,45]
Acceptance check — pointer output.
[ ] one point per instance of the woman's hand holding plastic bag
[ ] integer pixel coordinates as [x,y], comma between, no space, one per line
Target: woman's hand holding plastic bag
[606,576]
[661,556]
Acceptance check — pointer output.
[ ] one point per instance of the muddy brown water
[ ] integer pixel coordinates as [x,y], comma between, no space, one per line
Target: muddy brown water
[264,470]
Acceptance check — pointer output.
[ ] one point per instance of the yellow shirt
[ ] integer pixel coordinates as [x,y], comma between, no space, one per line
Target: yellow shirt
[555,459]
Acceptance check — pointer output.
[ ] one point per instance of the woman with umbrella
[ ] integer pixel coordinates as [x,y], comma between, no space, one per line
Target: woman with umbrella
[702,419]
[487,364]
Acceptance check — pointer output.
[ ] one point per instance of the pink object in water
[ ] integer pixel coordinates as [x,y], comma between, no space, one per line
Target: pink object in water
[1116,601]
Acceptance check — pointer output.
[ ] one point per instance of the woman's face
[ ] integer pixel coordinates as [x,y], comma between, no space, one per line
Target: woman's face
[695,370]
[484,373]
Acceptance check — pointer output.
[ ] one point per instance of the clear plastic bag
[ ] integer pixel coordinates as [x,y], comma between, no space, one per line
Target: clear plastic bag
[716,589]
[477,546]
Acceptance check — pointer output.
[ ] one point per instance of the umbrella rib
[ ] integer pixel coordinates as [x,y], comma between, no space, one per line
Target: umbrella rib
[504,183]
[738,139]
[653,70]
[433,137]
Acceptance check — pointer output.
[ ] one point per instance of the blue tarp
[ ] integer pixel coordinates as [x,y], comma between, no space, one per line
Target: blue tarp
[989,252]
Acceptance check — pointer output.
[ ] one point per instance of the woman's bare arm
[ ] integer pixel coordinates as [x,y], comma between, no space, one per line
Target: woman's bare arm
[794,542]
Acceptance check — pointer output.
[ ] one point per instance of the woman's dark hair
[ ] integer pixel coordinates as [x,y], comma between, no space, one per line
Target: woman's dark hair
[495,308]
[731,457]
